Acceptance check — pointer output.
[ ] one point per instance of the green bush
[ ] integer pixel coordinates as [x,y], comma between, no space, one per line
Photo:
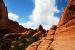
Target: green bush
[5,45]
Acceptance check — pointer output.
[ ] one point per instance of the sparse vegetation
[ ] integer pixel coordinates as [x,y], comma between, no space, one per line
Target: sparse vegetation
[18,44]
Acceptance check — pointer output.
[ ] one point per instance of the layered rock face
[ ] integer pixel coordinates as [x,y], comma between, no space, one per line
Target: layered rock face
[63,36]
[65,33]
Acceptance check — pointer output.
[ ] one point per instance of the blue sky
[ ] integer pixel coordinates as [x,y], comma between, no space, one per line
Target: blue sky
[22,8]
[34,12]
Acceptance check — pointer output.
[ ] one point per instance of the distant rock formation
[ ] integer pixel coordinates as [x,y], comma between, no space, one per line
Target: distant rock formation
[24,39]
[45,42]
[40,28]
[62,36]
[40,33]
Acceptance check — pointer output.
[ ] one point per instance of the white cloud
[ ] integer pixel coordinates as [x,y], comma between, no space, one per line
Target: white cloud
[13,16]
[29,24]
[43,13]
[34,26]
[47,27]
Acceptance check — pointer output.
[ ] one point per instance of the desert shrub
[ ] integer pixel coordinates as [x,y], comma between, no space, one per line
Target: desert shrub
[5,45]
[35,38]
[21,41]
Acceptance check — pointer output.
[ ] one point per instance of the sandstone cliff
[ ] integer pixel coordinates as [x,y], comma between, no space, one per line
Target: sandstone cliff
[65,33]
[6,25]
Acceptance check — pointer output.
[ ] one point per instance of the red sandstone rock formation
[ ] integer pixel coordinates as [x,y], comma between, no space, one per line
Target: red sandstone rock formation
[12,36]
[65,33]
[37,32]
[40,32]
[40,28]
[63,38]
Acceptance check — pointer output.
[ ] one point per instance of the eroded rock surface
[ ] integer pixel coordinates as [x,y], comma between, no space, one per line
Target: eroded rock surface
[65,33]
